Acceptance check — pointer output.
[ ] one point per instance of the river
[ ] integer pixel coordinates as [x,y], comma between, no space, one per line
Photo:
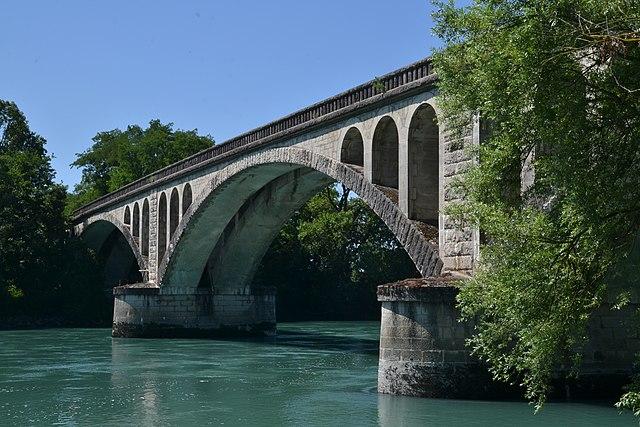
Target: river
[314,373]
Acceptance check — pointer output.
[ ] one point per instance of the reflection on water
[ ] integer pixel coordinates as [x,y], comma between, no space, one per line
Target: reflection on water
[438,412]
[310,374]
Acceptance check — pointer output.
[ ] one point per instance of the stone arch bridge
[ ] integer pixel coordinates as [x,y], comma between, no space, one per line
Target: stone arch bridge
[199,228]
[183,243]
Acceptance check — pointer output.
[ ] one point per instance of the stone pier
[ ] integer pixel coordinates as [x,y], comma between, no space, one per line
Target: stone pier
[422,343]
[423,352]
[150,312]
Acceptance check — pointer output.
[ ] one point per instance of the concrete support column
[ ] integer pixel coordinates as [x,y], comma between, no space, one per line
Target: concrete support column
[143,311]
[457,246]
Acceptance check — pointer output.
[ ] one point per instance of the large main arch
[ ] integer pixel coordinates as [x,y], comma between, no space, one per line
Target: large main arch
[292,176]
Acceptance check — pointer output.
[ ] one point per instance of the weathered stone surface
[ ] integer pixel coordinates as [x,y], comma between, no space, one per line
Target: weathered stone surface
[437,378]
[423,352]
[433,289]
[143,311]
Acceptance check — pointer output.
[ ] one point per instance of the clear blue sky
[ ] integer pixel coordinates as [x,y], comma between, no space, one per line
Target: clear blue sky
[223,67]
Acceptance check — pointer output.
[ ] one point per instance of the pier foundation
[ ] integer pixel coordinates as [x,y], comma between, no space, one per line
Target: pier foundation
[423,352]
[150,312]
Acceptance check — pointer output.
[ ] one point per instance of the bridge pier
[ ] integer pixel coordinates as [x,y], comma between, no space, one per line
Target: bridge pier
[423,352]
[142,311]
[422,343]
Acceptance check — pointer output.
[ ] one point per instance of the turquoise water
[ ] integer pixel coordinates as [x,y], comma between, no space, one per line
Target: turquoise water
[312,374]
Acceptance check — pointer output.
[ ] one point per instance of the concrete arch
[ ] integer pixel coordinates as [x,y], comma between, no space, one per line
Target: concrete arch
[431,102]
[97,229]
[404,122]
[247,237]
[336,151]
[230,188]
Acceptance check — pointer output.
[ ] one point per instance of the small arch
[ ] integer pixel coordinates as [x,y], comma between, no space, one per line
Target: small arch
[127,216]
[187,197]
[424,165]
[174,212]
[96,231]
[120,266]
[162,226]
[136,222]
[352,148]
[385,153]
[145,228]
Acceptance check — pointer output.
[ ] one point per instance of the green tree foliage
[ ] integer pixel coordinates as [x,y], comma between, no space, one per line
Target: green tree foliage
[118,157]
[35,257]
[329,257]
[558,83]
[31,205]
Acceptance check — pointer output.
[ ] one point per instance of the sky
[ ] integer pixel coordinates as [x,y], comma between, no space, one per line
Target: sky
[78,67]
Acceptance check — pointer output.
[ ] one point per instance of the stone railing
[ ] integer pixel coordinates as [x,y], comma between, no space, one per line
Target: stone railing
[328,107]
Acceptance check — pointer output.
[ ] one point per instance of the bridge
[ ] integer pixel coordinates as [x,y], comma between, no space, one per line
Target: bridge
[183,243]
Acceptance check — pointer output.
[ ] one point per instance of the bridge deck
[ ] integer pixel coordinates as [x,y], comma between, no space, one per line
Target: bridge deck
[397,83]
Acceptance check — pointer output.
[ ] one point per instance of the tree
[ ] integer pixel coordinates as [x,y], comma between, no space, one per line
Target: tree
[118,157]
[32,226]
[329,258]
[557,82]
[44,271]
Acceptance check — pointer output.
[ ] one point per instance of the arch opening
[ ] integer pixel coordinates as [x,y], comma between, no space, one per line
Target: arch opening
[174,212]
[145,228]
[118,260]
[127,216]
[385,153]
[162,226]
[424,165]
[115,250]
[325,263]
[187,197]
[352,151]
[136,222]
[120,266]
